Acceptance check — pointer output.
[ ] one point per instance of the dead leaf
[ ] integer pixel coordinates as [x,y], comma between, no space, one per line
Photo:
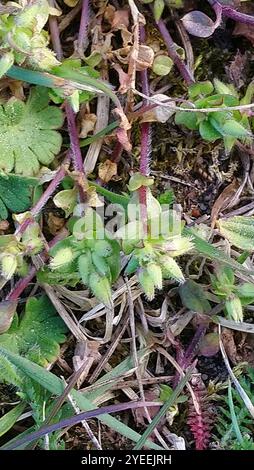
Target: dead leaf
[107,170]
[151,394]
[159,113]
[85,353]
[55,223]
[88,122]
[224,199]
[123,138]
[236,69]
[227,337]
[71,3]
[4,225]
[120,19]
[124,79]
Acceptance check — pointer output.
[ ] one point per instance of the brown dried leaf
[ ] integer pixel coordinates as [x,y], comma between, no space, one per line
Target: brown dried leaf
[88,122]
[85,353]
[124,79]
[107,170]
[123,138]
[246,30]
[120,19]
[223,200]
[7,311]
[227,337]
[236,69]
[145,58]
[55,223]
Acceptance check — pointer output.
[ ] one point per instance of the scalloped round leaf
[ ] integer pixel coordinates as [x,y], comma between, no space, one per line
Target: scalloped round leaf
[27,133]
[198,24]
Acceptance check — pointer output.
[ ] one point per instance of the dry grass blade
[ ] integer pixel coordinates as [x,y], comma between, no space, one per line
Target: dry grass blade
[249,405]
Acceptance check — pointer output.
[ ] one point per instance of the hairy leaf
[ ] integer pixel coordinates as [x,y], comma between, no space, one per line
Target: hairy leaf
[37,334]
[27,133]
[15,193]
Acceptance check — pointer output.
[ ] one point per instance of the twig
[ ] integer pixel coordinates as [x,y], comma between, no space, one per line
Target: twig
[230,12]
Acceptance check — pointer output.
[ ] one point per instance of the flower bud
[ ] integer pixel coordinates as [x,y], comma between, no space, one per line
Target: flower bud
[9,265]
[62,257]
[171,269]
[146,283]
[100,287]
[154,271]
[234,308]
[178,246]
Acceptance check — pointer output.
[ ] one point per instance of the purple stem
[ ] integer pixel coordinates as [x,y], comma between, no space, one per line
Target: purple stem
[82,35]
[22,284]
[43,199]
[182,67]
[74,138]
[85,415]
[145,141]
[230,12]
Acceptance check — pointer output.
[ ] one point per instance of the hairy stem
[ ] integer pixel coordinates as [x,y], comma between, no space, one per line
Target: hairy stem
[59,176]
[22,284]
[182,67]
[82,35]
[230,12]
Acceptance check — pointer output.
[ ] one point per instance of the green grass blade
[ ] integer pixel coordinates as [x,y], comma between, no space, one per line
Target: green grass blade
[10,418]
[170,402]
[55,385]
[233,415]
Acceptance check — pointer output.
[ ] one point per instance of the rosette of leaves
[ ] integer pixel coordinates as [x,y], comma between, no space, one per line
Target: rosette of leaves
[22,38]
[28,135]
[235,296]
[15,194]
[88,255]
[152,246]
[226,125]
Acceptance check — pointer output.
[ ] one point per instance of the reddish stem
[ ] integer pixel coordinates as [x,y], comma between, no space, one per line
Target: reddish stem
[82,35]
[182,67]
[24,282]
[230,12]
[145,142]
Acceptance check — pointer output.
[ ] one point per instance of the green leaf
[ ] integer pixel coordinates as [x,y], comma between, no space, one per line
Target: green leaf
[55,385]
[37,334]
[239,231]
[27,133]
[188,119]
[211,252]
[10,418]
[159,6]
[193,297]
[162,65]
[208,132]
[224,89]
[232,128]
[200,88]
[6,62]
[10,187]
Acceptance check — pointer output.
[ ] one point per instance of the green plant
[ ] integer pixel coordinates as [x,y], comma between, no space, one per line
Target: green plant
[90,254]
[235,296]
[153,245]
[22,38]
[234,425]
[10,186]
[37,334]
[227,125]
[27,133]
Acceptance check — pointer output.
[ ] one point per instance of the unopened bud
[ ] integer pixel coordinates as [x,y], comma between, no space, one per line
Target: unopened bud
[234,308]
